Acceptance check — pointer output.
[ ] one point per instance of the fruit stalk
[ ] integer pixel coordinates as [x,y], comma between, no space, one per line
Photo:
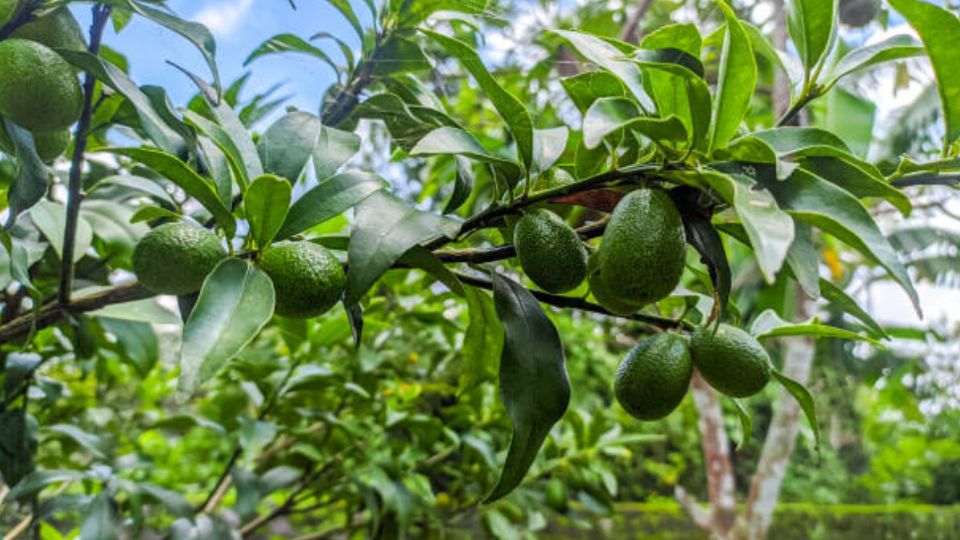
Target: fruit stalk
[101,14]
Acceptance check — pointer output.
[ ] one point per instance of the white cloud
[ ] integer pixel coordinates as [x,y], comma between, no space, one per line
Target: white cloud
[222,18]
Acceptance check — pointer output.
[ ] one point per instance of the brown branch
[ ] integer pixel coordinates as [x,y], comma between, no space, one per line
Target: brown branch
[629,32]
[716,456]
[101,15]
[53,312]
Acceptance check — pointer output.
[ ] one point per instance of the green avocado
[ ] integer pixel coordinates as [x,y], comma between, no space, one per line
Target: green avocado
[609,301]
[175,258]
[307,278]
[642,249]
[550,251]
[731,360]
[38,90]
[654,377]
[58,29]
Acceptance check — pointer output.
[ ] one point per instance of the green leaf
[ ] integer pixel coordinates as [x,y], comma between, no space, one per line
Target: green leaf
[736,81]
[174,502]
[194,32]
[236,301]
[837,212]
[703,236]
[451,140]
[146,310]
[283,43]
[802,141]
[136,183]
[585,88]
[851,118]
[218,168]
[813,28]
[153,123]
[803,259]
[548,146]
[51,219]
[840,300]
[334,148]
[99,519]
[769,325]
[510,108]
[683,37]
[30,184]
[482,341]
[533,379]
[139,343]
[889,50]
[34,482]
[803,397]
[612,59]
[675,79]
[343,6]
[610,115]
[405,126]
[462,187]
[88,441]
[769,228]
[265,204]
[384,229]
[178,172]
[746,423]
[938,29]
[398,55]
[328,199]
[857,177]
[17,442]
[424,259]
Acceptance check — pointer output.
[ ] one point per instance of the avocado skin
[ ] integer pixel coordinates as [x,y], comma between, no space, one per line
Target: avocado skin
[731,360]
[550,251]
[642,250]
[654,377]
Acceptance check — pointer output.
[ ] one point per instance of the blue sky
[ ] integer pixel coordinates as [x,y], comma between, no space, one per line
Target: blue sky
[239,27]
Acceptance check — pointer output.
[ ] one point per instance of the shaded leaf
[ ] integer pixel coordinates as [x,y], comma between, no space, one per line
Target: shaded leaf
[236,301]
[99,520]
[32,177]
[612,59]
[746,423]
[283,43]
[803,397]
[51,219]
[840,300]
[451,140]
[533,379]
[462,187]
[329,199]
[610,115]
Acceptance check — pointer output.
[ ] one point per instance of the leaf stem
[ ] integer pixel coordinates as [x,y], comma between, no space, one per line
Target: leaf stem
[101,14]
[791,114]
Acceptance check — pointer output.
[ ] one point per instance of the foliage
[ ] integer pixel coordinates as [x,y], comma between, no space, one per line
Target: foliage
[399,409]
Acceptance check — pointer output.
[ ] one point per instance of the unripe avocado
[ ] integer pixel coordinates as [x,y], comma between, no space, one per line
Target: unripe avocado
[38,89]
[731,360]
[57,30]
[550,251]
[654,377]
[605,298]
[48,145]
[175,258]
[307,278]
[555,495]
[642,250]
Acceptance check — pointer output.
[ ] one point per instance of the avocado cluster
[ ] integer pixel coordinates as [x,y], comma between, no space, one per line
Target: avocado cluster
[176,258]
[654,377]
[39,90]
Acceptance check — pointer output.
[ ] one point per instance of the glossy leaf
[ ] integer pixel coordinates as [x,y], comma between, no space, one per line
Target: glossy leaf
[265,204]
[857,177]
[509,107]
[384,229]
[405,126]
[329,199]
[482,341]
[548,146]
[194,32]
[840,300]
[178,172]
[703,236]
[153,123]
[334,148]
[533,379]
[837,212]
[889,50]
[938,29]
[286,146]
[462,187]
[283,43]
[99,519]
[746,423]
[736,81]
[236,301]
[140,184]
[610,115]
[684,37]
[51,219]
[803,259]
[30,184]
[398,55]
[585,88]
[769,325]
[803,397]
[451,140]
[813,28]
[612,59]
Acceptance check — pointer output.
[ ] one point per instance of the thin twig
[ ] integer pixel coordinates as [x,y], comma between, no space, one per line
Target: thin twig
[629,32]
[930,179]
[101,14]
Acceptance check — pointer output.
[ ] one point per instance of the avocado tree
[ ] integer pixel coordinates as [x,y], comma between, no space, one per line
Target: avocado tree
[662,167]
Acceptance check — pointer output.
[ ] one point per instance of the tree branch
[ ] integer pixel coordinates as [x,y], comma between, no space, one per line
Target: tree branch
[101,14]
[928,179]
[629,31]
